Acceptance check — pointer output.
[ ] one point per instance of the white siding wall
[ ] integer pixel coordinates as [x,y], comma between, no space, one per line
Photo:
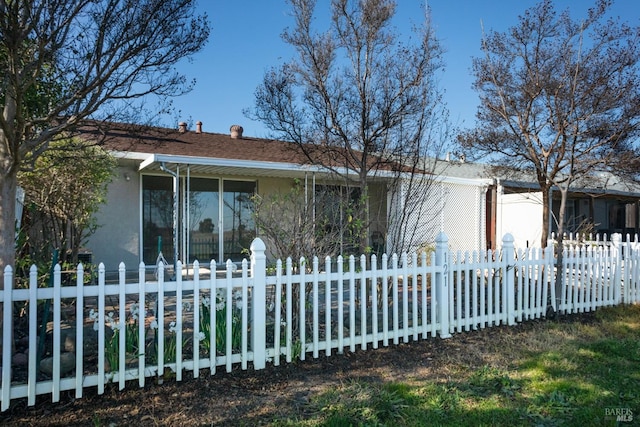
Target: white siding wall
[520,215]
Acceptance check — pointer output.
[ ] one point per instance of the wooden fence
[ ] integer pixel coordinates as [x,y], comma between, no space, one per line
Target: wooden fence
[90,333]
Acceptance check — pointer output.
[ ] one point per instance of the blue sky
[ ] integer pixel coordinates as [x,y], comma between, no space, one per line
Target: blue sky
[245,41]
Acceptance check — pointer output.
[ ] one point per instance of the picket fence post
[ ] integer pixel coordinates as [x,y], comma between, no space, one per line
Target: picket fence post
[259,303]
[508,251]
[7,337]
[618,258]
[442,284]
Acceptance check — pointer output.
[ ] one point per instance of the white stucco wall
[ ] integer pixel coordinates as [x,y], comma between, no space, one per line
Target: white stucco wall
[118,240]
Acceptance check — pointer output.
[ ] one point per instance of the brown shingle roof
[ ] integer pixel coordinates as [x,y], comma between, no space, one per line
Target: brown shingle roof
[152,140]
[206,145]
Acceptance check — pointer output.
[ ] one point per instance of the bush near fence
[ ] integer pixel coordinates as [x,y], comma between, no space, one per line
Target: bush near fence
[128,332]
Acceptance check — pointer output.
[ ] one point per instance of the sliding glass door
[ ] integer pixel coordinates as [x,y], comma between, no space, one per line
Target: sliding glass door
[184,217]
[203,225]
[239,227]
[157,218]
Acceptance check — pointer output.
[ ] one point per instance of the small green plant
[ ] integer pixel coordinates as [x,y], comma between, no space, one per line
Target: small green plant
[296,350]
[112,343]
[170,346]
[221,321]
[96,420]
[133,348]
[70,273]
[111,352]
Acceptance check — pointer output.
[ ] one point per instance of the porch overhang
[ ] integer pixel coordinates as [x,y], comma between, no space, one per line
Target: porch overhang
[235,167]
[217,166]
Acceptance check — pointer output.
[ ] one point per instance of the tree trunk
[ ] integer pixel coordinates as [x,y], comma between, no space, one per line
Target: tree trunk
[546,215]
[364,232]
[8,185]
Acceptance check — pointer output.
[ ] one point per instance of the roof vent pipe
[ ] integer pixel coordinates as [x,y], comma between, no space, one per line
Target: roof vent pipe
[182,127]
[236,132]
[198,126]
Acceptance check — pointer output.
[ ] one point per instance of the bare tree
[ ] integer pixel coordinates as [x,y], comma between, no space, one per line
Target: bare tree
[300,224]
[63,61]
[559,98]
[356,100]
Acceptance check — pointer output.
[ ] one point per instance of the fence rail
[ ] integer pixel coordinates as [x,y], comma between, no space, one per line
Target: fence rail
[87,335]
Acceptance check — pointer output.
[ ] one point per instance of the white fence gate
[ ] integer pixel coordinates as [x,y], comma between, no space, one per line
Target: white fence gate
[100,333]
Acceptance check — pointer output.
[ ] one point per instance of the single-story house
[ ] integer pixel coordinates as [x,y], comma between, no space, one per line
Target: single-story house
[186,193]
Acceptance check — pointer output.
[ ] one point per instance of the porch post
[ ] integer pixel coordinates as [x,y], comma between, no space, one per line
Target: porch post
[176,219]
[258,304]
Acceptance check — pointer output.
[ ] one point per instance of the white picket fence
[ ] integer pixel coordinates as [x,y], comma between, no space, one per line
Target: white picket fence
[206,320]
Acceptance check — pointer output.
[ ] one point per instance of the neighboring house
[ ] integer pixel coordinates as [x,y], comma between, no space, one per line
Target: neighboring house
[603,205]
[476,208]
[194,188]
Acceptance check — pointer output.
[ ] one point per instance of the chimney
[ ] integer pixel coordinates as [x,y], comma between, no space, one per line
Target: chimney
[236,132]
[182,127]
[198,126]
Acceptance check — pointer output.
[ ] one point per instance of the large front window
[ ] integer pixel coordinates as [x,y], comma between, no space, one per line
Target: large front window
[184,218]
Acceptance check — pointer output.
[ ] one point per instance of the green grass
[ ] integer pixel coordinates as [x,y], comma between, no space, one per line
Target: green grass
[554,374]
